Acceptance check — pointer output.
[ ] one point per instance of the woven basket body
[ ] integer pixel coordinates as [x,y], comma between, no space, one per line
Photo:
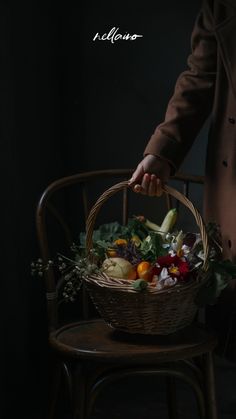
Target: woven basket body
[151,311]
[145,312]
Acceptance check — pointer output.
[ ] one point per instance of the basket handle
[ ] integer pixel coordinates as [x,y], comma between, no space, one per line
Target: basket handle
[167,189]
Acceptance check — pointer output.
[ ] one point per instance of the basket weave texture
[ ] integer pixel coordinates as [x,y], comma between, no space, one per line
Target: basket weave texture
[152,311]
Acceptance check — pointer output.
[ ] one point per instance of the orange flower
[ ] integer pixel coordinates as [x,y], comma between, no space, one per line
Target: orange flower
[120,242]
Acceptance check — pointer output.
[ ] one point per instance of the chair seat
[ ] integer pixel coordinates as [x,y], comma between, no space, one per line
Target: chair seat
[95,340]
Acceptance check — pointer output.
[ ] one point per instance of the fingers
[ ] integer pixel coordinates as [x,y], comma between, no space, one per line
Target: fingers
[150,185]
[145,183]
[137,175]
[153,185]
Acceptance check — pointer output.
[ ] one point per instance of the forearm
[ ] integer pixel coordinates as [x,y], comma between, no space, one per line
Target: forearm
[192,100]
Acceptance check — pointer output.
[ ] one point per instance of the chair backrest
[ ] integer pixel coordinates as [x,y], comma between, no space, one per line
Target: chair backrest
[48,206]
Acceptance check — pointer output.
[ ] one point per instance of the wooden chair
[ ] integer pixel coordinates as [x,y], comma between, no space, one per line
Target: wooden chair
[90,355]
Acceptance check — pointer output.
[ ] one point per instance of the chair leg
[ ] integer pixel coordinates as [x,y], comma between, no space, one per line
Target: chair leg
[68,380]
[194,384]
[211,404]
[171,398]
[79,393]
[55,381]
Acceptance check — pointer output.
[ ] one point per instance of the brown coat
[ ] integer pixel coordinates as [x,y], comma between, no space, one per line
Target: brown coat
[207,88]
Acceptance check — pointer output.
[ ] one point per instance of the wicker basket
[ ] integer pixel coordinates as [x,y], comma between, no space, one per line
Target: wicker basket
[151,311]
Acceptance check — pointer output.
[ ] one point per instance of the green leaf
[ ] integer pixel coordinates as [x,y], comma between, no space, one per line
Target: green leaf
[137,227]
[102,243]
[152,247]
[211,289]
[225,267]
[108,232]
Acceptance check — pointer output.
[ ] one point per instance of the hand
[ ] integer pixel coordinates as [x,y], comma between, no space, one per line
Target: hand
[150,175]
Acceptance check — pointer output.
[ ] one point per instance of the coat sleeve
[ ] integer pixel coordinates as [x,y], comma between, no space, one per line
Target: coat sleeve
[193,96]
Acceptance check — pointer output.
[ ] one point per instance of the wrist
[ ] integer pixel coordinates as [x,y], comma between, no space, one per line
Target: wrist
[169,165]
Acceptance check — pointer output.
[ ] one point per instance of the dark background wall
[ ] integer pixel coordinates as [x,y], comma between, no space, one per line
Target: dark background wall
[69,104]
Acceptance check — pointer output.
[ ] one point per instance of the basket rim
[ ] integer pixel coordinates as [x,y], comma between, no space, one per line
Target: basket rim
[126,285]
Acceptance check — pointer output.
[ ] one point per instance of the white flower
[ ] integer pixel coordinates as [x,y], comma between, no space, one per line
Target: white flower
[170,282]
[164,274]
[186,249]
[161,279]
[159,285]
[173,247]
[165,280]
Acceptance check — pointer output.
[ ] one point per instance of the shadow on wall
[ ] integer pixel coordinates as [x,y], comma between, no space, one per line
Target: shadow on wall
[125,86]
